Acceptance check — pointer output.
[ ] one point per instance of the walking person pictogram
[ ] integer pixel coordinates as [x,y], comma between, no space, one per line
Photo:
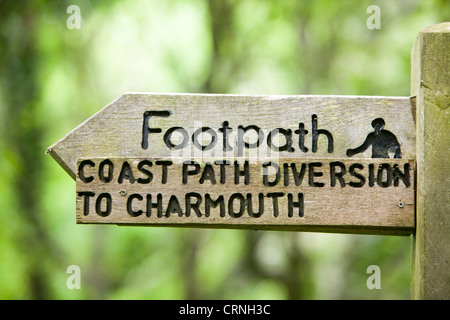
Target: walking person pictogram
[382,141]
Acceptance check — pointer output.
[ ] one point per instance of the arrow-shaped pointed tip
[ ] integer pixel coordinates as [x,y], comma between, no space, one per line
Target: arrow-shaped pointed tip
[51,151]
[76,143]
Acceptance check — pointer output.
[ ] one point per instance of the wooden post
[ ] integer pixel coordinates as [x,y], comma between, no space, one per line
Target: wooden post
[431,86]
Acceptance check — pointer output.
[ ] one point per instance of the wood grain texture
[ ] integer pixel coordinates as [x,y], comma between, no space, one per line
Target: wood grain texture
[116,130]
[333,198]
[431,86]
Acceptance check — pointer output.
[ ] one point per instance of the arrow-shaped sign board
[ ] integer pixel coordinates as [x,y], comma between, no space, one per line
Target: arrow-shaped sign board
[312,163]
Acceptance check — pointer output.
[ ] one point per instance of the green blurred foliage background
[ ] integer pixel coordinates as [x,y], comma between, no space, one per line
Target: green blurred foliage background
[52,78]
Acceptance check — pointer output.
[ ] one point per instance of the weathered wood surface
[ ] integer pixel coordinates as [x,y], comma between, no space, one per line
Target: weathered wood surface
[329,195]
[117,130]
[431,86]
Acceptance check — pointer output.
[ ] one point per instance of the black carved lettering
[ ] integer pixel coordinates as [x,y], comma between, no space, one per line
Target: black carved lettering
[141,168]
[173,206]
[168,138]
[86,195]
[285,174]
[208,174]
[81,170]
[126,173]
[146,130]
[210,145]
[371,175]
[108,206]
[313,174]
[226,130]
[265,167]
[214,203]
[239,173]
[299,204]
[251,213]
[231,212]
[193,205]
[397,175]
[165,164]
[187,172]
[317,132]
[302,132]
[222,164]
[131,212]
[106,177]
[357,175]
[337,175]
[298,176]
[287,133]
[275,196]
[152,205]
[384,168]
[240,138]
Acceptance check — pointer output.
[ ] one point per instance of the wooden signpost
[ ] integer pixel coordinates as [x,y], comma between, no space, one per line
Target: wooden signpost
[303,163]
[318,163]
